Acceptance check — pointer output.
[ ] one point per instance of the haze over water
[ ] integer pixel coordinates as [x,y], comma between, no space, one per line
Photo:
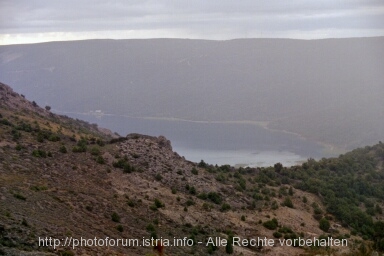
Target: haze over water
[217,143]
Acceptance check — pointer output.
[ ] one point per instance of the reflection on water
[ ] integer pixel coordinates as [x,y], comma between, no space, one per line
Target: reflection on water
[217,143]
[241,157]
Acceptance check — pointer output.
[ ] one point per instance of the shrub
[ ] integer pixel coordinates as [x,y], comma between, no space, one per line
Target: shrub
[21,197]
[274,205]
[324,225]
[120,228]
[115,217]
[158,177]
[277,234]
[81,146]
[158,203]
[39,153]
[53,138]
[100,160]
[229,246]
[24,222]
[150,227]
[225,207]
[95,151]
[190,202]
[16,135]
[123,164]
[195,171]
[63,149]
[288,202]
[271,224]
[215,197]
[202,164]
[131,203]
[5,122]
[202,196]
[66,253]
[192,190]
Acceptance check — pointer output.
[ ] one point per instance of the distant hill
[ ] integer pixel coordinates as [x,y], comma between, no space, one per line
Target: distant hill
[329,90]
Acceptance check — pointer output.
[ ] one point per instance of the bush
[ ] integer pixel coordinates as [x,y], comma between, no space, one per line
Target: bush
[195,171]
[288,202]
[215,197]
[95,151]
[271,224]
[158,177]
[324,225]
[100,160]
[158,203]
[66,253]
[190,202]
[120,228]
[229,246]
[16,135]
[277,234]
[192,190]
[63,149]
[123,164]
[115,217]
[39,153]
[5,122]
[81,146]
[225,207]
[150,227]
[21,197]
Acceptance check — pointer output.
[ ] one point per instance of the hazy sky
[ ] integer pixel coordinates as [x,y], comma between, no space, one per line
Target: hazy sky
[26,21]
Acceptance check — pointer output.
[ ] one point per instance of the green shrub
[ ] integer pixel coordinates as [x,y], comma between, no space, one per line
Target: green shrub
[288,202]
[115,217]
[21,197]
[150,227]
[95,151]
[158,203]
[120,228]
[63,149]
[271,224]
[39,153]
[215,197]
[324,225]
[190,202]
[158,177]
[100,160]
[225,207]
[277,234]
[195,171]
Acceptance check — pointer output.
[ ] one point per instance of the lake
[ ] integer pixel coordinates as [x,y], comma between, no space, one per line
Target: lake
[241,144]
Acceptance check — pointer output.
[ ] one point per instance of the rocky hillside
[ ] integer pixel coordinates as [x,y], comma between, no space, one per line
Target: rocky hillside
[67,179]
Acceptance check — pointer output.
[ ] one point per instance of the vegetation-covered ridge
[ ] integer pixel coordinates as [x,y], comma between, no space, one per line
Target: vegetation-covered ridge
[61,178]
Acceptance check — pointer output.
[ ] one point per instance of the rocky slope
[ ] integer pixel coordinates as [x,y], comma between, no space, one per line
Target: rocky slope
[65,178]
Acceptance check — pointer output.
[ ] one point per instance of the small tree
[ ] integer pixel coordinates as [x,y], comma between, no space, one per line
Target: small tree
[48,108]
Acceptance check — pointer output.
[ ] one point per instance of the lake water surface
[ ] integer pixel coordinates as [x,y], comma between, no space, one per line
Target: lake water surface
[217,143]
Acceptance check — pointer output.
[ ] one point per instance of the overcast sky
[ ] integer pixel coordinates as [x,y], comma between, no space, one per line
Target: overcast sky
[27,21]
